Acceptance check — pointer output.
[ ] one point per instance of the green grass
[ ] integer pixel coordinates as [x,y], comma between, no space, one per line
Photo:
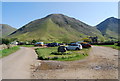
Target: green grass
[112,46]
[6,52]
[26,45]
[45,54]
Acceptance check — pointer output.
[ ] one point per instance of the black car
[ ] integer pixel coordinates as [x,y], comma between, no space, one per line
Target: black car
[52,44]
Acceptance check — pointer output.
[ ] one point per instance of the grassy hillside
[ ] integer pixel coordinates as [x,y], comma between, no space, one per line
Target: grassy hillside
[55,27]
[5,30]
[110,28]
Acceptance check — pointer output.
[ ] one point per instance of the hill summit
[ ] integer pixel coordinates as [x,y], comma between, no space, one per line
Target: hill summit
[110,27]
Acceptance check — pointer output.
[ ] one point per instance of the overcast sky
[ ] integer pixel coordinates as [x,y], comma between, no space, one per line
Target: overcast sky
[18,14]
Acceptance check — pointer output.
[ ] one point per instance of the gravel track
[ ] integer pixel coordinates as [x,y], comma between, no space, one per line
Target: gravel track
[18,64]
[102,63]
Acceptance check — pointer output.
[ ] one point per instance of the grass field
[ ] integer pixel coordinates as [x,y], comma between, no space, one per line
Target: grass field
[112,46]
[6,52]
[45,54]
[26,45]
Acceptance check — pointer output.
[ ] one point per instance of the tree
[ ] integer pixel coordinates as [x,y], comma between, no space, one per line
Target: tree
[33,41]
[0,41]
[94,39]
[118,44]
[7,42]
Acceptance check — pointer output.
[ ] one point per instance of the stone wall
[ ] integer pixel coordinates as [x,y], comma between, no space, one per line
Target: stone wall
[3,46]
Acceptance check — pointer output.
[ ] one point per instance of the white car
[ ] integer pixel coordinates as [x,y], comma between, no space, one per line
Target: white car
[74,46]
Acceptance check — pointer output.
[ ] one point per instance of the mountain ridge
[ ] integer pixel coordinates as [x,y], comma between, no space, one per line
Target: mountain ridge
[6,29]
[109,27]
[55,27]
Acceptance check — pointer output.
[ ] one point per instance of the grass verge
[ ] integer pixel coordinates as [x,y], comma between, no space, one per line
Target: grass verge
[26,45]
[46,54]
[112,46]
[6,52]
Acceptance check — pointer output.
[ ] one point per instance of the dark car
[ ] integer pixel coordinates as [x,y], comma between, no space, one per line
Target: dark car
[85,45]
[21,43]
[52,44]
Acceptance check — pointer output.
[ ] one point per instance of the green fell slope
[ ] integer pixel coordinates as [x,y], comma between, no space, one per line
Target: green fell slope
[5,30]
[110,28]
[55,27]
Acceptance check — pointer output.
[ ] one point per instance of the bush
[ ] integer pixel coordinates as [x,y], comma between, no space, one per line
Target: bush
[55,58]
[106,43]
[59,53]
[5,41]
[40,58]
[118,44]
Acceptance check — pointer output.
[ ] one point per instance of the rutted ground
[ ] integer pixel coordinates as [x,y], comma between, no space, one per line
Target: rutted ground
[102,63]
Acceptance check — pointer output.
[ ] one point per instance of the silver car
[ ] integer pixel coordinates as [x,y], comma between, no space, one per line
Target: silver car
[74,46]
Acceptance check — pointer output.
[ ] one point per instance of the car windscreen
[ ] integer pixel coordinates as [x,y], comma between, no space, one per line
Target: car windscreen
[73,44]
[38,43]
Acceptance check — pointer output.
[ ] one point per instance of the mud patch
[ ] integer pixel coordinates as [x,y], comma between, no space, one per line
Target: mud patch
[50,65]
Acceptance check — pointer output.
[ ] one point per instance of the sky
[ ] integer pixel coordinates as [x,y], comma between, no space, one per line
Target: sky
[17,14]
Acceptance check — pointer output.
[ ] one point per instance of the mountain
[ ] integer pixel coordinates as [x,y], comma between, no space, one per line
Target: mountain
[110,28]
[55,27]
[5,30]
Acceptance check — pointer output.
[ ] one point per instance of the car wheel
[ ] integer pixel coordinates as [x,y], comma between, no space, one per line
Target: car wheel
[67,49]
[77,48]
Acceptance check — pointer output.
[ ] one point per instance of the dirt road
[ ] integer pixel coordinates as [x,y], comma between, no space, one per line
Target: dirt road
[18,65]
[102,63]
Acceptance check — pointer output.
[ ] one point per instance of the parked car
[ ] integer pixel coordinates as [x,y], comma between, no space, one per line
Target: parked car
[62,44]
[14,43]
[62,49]
[85,45]
[52,44]
[21,43]
[39,44]
[74,46]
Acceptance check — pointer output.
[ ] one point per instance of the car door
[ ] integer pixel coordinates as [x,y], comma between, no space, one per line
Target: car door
[73,47]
